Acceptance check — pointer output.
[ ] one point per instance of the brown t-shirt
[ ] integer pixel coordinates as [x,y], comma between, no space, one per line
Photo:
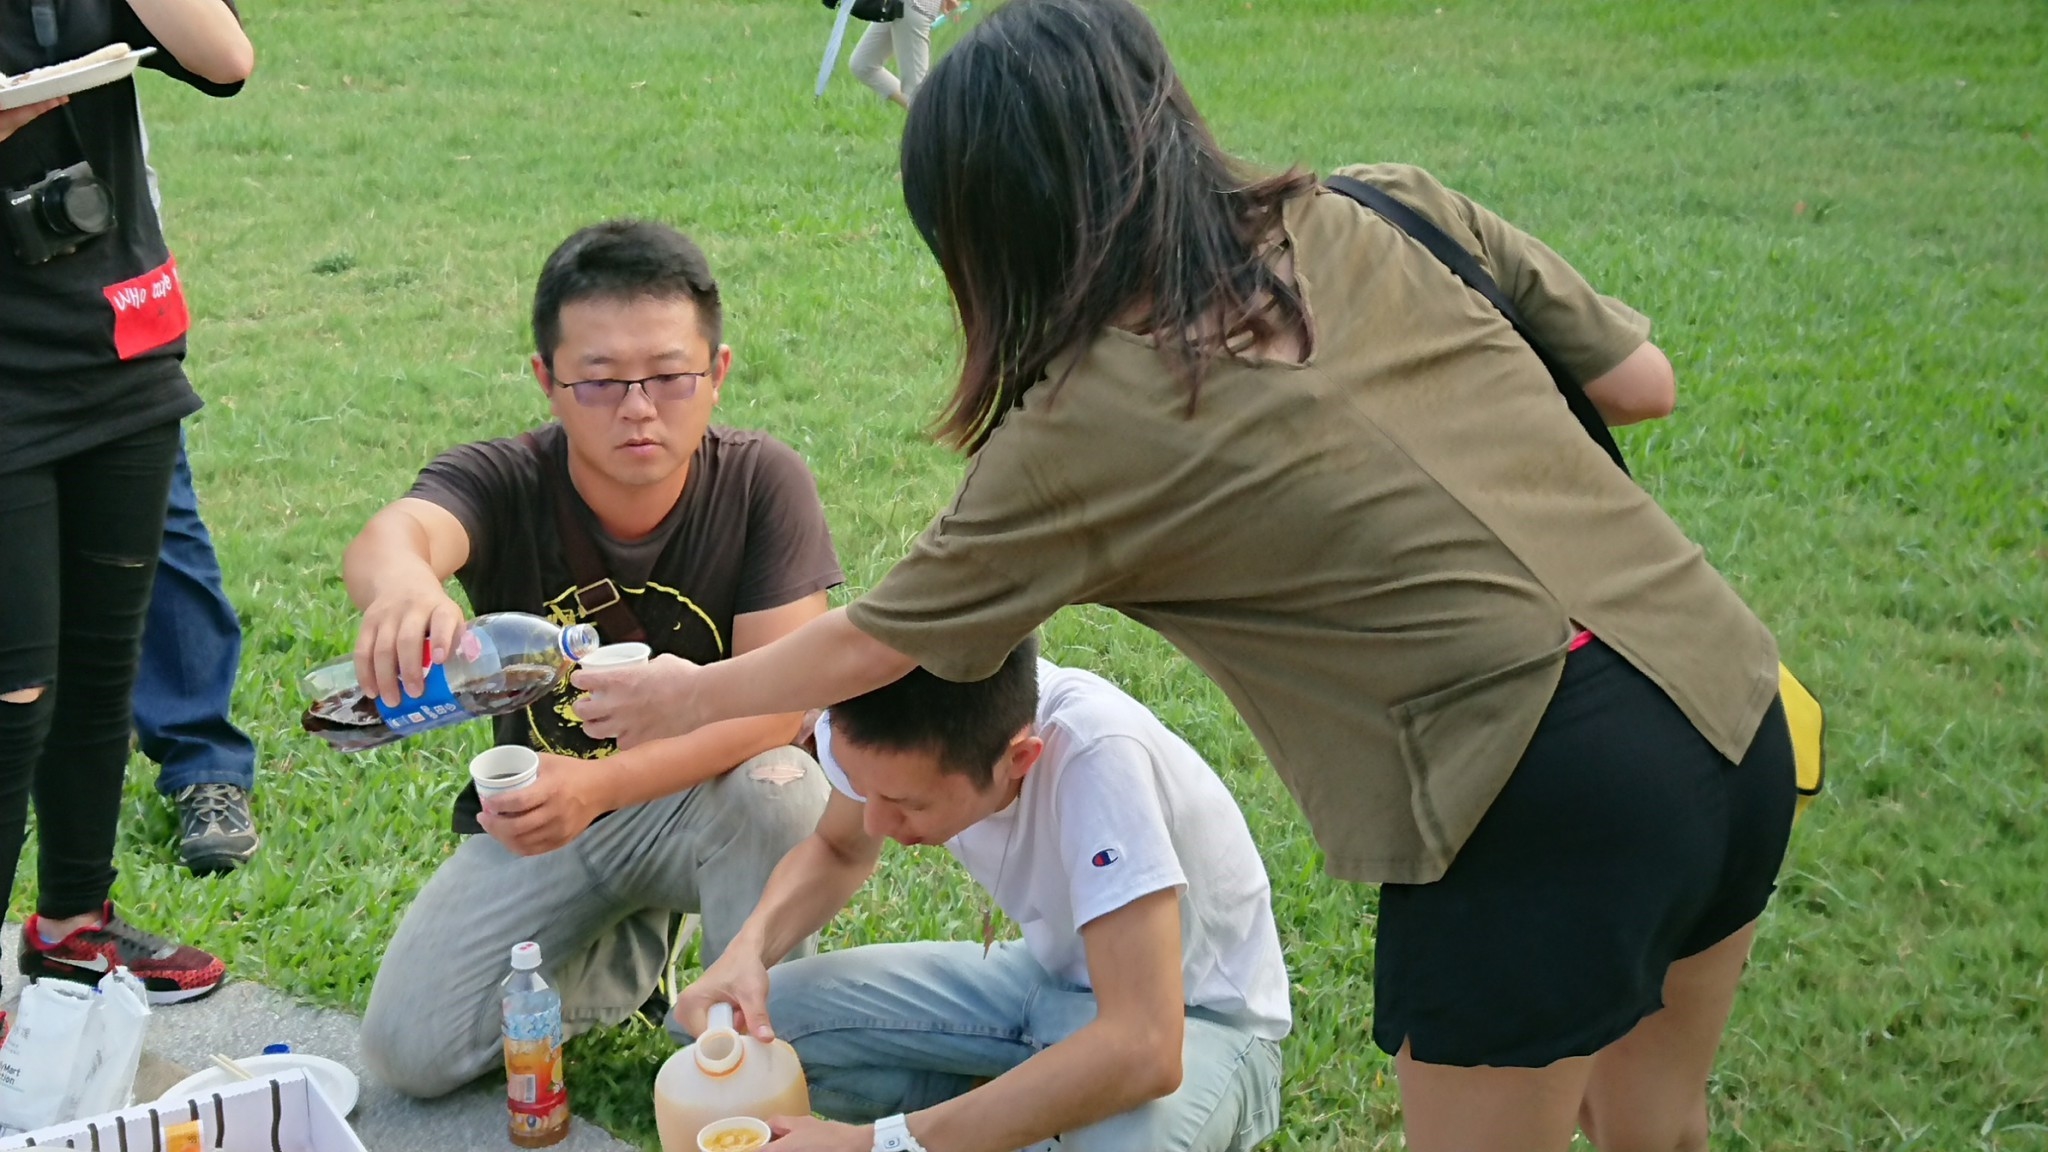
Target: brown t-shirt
[1378,554]
[748,535]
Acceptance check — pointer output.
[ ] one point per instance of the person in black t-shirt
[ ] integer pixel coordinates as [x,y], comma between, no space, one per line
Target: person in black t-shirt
[91,395]
[716,543]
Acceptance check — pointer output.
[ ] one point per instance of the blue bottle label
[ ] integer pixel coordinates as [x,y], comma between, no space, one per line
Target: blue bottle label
[434,707]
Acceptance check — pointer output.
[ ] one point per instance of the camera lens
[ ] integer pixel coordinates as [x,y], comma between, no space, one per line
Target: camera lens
[78,206]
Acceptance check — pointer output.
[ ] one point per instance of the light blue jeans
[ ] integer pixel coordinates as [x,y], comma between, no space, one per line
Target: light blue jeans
[890,1028]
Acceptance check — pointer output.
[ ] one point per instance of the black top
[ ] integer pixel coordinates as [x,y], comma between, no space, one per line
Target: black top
[748,535]
[71,377]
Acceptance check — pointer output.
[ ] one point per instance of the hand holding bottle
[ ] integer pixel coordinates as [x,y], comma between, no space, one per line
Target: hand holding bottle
[497,663]
[737,978]
[409,627]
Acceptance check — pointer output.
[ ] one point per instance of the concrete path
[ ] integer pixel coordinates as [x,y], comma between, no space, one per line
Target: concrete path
[241,1018]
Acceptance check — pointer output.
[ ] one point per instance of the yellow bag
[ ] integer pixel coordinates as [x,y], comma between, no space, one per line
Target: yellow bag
[1803,716]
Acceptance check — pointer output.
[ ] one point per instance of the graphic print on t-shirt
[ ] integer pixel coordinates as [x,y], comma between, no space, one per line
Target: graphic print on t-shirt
[149,310]
[673,622]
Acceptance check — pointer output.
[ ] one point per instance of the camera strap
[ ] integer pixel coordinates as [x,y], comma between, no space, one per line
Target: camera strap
[43,14]
[598,597]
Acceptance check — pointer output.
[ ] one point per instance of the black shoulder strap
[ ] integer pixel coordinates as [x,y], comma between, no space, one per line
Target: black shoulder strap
[1454,256]
[597,596]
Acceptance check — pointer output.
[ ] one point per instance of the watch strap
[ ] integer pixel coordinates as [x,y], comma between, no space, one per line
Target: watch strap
[893,1135]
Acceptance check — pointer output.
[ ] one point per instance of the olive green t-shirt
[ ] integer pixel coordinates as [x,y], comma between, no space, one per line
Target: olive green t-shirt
[1379,554]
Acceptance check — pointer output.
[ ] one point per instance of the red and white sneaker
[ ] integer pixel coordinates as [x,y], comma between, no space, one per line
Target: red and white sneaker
[173,973]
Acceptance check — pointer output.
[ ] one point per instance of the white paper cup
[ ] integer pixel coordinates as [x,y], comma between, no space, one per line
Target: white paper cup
[506,768]
[718,1136]
[617,655]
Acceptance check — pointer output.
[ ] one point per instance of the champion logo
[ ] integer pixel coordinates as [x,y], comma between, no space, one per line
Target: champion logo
[1105,858]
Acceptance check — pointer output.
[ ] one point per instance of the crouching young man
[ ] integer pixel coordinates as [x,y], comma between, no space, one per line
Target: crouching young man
[1142,1010]
[629,510]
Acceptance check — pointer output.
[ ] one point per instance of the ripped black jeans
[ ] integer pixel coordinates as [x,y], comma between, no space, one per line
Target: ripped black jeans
[78,544]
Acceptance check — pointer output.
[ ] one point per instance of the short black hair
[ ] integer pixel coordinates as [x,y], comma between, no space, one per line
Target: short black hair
[966,725]
[623,260]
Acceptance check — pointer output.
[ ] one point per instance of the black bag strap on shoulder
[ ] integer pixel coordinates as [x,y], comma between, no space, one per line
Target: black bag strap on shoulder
[1467,268]
[597,594]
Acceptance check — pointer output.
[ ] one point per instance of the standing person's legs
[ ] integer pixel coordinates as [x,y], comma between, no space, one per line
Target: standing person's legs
[912,38]
[191,648]
[1646,1092]
[28,647]
[1649,1088]
[869,60]
[110,505]
[1577,961]
[1449,1109]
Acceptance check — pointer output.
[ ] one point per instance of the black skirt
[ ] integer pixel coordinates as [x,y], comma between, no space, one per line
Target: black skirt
[1622,842]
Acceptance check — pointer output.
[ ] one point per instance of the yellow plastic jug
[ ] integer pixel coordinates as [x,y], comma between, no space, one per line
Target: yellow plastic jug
[725,1074]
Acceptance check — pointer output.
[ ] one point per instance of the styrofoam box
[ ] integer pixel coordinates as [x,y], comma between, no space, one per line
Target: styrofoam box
[281,1113]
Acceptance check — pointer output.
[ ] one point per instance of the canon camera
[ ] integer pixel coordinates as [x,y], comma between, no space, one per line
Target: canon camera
[54,215]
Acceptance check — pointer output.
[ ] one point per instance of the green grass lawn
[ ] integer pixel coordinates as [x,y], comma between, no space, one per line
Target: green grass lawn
[1837,214]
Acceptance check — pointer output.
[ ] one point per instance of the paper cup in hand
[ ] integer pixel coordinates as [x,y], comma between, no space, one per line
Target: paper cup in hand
[617,655]
[733,1134]
[506,768]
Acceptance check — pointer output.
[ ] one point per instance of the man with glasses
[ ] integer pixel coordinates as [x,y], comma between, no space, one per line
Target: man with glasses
[633,513]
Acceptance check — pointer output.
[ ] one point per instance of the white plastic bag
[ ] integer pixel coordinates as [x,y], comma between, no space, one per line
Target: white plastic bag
[103,1072]
[37,1060]
[73,1052]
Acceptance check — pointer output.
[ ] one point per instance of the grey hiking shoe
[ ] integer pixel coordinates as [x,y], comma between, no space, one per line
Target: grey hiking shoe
[215,831]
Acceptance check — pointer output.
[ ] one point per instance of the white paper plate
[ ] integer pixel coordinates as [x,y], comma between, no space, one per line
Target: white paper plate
[66,83]
[337,1083]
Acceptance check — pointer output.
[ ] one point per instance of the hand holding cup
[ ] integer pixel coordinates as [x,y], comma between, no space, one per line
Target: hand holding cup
[637,703]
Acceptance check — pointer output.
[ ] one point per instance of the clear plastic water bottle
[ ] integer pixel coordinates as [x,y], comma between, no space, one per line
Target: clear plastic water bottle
[534,1092]
[503,662]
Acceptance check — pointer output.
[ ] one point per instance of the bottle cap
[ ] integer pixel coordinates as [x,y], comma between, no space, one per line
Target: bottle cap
[579,640]
[276,1049]
[525,956]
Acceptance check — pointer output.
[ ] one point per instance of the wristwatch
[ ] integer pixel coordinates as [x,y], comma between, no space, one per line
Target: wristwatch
[892,1135]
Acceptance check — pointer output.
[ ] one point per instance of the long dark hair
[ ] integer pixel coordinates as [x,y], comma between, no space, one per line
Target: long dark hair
[1058,171]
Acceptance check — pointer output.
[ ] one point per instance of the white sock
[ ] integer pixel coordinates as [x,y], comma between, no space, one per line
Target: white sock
[43,933]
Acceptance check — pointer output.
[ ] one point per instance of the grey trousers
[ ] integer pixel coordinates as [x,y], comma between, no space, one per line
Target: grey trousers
[599,907]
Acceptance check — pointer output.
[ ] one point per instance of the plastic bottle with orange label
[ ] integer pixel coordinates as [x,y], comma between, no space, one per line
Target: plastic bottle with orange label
[534,1092]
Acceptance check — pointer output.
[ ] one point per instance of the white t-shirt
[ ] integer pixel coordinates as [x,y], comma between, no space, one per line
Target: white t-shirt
[1117,808]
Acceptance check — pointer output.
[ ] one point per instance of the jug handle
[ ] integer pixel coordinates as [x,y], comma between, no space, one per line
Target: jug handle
[719,1050]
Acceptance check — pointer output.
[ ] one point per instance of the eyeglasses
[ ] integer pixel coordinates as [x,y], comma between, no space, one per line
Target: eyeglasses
[661,387]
